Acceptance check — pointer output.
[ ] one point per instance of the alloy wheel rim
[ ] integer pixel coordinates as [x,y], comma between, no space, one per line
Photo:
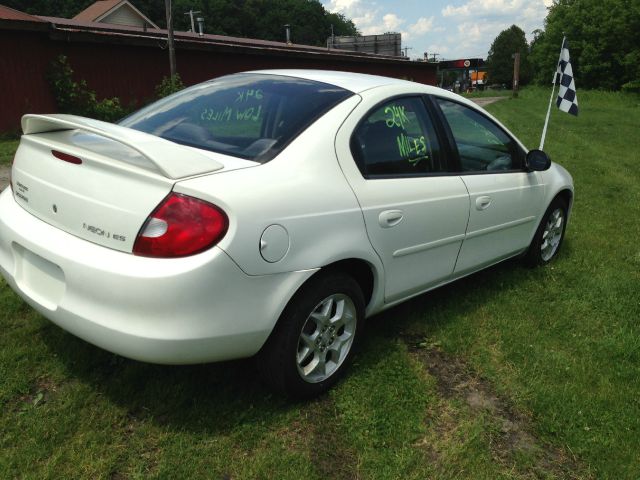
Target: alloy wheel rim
[552,234]
[326,338]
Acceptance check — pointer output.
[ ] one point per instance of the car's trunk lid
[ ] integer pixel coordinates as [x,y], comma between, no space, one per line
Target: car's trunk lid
[96,180]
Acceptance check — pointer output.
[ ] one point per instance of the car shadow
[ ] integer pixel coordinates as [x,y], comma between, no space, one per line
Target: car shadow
[217,398]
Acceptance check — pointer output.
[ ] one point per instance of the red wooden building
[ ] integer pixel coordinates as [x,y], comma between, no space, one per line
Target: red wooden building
[128,62]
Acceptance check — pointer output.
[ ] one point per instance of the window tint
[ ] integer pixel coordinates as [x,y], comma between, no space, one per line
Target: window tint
[396,139]
[251,116]
[482,145]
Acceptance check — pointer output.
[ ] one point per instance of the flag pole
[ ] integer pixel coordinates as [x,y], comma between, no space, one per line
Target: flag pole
[546,120]
[555,79]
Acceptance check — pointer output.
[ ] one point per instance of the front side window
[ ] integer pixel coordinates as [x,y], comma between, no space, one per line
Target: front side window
[396,138]
[482,145]
[252,116]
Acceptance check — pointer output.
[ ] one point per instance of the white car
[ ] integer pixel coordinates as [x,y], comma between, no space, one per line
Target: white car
[268,213]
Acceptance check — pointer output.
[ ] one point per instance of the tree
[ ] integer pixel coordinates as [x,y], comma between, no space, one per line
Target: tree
[262,19]
[604,42]
[500,58]
[265,19]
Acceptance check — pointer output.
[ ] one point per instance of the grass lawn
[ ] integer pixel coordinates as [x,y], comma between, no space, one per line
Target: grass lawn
[7,149]
[510,373]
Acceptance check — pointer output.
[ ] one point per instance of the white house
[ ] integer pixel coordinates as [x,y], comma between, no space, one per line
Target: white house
[115,12]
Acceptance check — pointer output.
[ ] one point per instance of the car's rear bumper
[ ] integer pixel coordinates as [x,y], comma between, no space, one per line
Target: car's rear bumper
[188,310]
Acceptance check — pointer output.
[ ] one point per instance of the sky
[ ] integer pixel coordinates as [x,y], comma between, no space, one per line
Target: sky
[452,28]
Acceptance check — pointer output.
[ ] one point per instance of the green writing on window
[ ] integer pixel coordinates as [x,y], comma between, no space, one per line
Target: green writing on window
[251,114]
[241,110]
[413,149]
[212,115]
[396,117]
[248,94]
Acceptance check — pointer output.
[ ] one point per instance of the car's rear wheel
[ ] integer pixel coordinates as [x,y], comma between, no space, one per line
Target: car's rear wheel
[315,337]
[548,238]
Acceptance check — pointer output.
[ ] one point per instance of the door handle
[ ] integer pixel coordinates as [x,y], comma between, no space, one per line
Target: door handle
[390,218]
[483,202]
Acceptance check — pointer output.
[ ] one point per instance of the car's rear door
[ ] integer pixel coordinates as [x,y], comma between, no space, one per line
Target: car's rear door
[415,214]
[505,199]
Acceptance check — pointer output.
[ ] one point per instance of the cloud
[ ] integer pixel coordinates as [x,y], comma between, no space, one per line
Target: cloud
[422,26]
[485,8]
[479,22]
[391,21]
[367,18]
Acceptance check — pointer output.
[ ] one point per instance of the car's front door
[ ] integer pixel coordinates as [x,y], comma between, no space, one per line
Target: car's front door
[415,214]
[504,199]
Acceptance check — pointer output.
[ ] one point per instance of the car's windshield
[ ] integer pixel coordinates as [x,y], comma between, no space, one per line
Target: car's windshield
[252,116]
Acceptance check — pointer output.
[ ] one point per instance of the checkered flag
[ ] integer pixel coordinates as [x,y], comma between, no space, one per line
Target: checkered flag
[567,100]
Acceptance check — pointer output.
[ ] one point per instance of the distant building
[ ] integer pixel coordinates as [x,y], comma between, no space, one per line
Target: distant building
[389,44]
[462,74]
[115,12]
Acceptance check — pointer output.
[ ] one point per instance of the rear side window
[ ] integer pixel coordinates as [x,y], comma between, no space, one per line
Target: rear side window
[396,138]
[482,145]
[252,116]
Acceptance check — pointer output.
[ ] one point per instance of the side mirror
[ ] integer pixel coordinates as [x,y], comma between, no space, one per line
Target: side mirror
[537,160]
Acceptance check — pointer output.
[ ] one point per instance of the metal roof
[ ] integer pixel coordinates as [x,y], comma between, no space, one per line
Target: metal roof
[7,13]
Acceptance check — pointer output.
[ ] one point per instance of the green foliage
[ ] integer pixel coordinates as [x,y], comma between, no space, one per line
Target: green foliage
[262,19]
[631,87]
[604,41]
[76,98]
[7,150]
[169,85]
[500,58]
[265,19]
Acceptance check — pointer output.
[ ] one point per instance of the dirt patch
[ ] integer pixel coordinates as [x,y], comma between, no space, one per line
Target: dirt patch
[4,176]
[513,435]
[484,101]
[39,393]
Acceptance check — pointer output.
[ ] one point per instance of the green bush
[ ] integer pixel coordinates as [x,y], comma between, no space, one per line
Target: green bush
[631,87]
[76,98]
[169,85]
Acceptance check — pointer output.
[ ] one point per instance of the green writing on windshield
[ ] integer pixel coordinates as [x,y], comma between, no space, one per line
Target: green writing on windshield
[222,115]
[240,111]
[248,94]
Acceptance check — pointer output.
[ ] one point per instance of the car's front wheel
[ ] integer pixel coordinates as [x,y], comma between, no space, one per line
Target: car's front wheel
[548,238]
[315,337]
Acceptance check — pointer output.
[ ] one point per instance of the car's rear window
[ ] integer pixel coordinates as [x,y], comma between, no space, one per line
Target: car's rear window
[252,116]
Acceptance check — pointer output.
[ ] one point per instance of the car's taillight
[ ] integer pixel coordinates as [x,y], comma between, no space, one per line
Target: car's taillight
[181,226]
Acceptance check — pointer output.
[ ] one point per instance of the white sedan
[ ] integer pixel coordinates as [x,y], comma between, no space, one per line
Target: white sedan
[268,213]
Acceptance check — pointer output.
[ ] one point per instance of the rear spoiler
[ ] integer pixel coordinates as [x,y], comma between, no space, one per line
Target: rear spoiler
[170,159]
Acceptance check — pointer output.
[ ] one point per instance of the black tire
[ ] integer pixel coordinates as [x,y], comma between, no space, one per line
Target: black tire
[538,253]
[279,361]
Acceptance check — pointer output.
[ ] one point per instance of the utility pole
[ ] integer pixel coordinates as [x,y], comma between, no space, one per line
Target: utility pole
[191,13]
[516,73]
[172,50]
[288,33]
[333,37]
